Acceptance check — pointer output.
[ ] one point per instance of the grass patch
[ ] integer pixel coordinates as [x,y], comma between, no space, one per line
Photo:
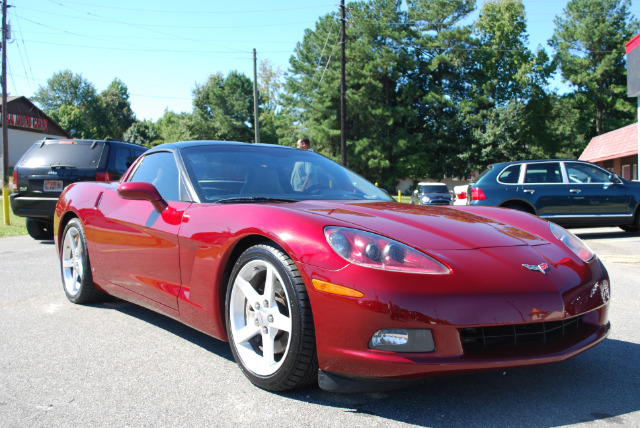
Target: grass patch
[17,227]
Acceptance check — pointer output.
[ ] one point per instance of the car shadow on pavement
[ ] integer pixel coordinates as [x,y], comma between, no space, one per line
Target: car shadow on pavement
[599,385]
[170,325]
[600,234]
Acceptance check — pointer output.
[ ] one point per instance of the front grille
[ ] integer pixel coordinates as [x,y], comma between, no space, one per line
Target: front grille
[515,336]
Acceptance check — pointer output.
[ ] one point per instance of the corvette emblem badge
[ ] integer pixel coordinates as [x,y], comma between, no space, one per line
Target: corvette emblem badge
[542,267]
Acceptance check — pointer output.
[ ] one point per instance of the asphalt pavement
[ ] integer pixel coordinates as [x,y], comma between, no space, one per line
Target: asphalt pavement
[120,365]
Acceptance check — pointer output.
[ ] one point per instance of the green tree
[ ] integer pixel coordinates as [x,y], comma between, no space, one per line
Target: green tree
[173,127]
[115,113]
[270,88]
[142,133]
[223,108]
[509,82]
[443,66]
[589,41]
[65,89]
[71,101]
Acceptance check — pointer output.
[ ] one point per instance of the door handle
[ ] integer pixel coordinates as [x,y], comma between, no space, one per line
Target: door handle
[530,191]
[575,190]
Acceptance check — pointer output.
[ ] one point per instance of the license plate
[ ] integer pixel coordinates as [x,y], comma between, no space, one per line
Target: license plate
[52,186]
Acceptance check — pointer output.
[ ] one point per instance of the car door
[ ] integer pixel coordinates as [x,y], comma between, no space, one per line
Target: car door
[593,194]
[542,185]
[138,246]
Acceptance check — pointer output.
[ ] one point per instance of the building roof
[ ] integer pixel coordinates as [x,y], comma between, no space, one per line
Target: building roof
[612,145]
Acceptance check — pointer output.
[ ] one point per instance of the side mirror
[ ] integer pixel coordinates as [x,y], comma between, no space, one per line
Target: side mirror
[614,179]
[415,192]
[140,191]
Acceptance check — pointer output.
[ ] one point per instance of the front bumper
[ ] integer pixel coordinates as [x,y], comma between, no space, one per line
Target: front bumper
[458,309]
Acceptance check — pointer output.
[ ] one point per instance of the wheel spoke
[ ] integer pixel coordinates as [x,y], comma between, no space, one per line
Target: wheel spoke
[281,322]
[269,285]
[268,347]
[247,290]
[246,333]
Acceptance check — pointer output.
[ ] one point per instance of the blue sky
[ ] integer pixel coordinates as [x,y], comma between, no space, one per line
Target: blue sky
[161,49]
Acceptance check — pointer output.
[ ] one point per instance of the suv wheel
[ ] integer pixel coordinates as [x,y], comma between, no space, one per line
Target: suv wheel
[39,230]
[635,227]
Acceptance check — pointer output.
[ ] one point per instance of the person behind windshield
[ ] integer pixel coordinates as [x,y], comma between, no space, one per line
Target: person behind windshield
[302,175]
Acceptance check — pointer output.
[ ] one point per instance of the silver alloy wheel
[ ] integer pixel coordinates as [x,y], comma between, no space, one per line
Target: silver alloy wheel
[260,317]
[72,261]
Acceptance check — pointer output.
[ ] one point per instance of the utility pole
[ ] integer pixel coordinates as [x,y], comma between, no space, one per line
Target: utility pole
[255,97]
[5,133]
[343,87]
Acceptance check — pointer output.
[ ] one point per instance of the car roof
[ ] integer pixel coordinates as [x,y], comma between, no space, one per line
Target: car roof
[535,161]
[86,141]
[199,143]
[431,183]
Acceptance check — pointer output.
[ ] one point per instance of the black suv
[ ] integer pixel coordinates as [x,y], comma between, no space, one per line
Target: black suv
[50,165]
[567,192]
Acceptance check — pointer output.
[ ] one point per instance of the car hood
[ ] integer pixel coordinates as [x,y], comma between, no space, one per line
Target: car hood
[433,227]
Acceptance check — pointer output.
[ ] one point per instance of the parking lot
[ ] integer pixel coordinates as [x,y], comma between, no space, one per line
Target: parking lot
[120,365]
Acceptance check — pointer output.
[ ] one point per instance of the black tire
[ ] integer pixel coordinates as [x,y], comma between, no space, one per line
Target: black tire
[39,230]
[635,227]
[271,357]
[75,267]
[518,207]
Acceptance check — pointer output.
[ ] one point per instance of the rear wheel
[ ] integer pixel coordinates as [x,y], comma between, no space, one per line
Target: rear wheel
[269,321]
[39,230]
[633,228]
[75,268]
[519,207]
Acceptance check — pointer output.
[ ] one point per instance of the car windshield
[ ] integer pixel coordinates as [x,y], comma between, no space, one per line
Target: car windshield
[224,173]
[434,188]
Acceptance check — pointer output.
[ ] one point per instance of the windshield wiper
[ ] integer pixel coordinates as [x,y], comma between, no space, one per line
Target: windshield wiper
[248,199]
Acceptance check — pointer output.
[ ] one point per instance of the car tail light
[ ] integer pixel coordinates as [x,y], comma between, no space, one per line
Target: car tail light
[477,194]
[14,187]
[462,195]
[104,176]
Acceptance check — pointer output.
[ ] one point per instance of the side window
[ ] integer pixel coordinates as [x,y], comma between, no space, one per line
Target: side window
[123,159]
[543,173]
[160,170]
[585,173]
[510,175]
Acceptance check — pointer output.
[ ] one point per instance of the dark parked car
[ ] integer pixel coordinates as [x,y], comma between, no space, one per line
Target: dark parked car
[567,192]
[51,165]
[432,194]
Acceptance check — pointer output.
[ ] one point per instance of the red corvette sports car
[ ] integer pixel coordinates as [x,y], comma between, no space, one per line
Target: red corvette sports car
[314,274]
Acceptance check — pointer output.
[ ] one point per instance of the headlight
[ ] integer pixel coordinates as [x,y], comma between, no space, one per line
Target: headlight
[377,252]
[574,243]
[426,199]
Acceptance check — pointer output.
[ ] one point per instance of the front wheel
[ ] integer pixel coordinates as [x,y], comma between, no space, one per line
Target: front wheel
[75,268]
[269,320]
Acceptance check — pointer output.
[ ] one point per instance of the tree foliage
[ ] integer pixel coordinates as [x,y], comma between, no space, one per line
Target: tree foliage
[589,42]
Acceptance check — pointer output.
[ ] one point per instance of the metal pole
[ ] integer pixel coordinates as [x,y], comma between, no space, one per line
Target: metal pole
[255,97]
[5,133]
[343,88]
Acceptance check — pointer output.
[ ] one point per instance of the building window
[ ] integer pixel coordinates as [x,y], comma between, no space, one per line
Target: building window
[626,172]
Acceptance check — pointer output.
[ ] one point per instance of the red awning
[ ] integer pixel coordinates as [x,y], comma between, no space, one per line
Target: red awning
[612,145]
